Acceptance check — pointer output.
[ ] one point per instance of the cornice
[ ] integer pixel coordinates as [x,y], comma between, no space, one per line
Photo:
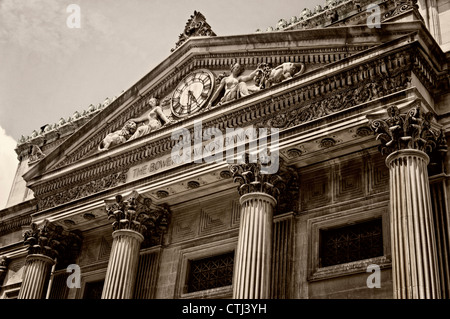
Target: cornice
[15,223]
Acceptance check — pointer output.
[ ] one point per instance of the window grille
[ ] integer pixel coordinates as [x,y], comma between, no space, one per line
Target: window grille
[212,272]
[351,243]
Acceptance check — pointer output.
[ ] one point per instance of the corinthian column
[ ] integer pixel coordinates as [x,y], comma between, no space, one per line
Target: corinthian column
[407,138]
[135,220]
[46,243]
[254,250]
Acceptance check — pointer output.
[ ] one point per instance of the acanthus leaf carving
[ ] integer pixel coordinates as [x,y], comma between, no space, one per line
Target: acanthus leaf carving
[251,179]
[53,241]
[411,130]
[138,213]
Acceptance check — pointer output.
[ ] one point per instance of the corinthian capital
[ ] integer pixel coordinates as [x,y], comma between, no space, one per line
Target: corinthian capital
[252,180]
[51,240]
[411,130]
[138,213]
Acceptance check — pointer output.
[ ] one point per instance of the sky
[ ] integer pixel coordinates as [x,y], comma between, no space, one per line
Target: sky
[49,71]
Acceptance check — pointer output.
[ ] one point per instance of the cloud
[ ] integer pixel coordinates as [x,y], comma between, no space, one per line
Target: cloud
[8,162]
[41,27]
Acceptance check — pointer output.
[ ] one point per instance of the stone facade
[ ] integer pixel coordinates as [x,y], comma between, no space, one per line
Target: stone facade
[355,119]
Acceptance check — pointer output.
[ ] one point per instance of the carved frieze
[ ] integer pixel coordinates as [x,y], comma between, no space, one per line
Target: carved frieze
[338,101]
[79,191]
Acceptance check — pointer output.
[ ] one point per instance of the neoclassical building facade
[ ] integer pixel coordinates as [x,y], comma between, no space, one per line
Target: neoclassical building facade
[307,160]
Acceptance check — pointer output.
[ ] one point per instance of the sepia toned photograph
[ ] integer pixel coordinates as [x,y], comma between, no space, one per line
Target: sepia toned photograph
[224,155]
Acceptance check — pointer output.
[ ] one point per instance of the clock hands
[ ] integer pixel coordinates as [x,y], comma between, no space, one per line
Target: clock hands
[191,98]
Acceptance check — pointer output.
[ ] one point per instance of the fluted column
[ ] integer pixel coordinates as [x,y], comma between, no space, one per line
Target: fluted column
[46,244]
[414,265]
[36,276]
[406,138]
[135,220]
[254,249]
[122,268]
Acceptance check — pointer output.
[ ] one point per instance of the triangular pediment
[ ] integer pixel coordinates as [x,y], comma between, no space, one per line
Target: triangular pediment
[314,52]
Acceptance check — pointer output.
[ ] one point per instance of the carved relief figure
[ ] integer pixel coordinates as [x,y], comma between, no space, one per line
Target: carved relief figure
[267,77]
[235,85]
[153,119]
[118,137]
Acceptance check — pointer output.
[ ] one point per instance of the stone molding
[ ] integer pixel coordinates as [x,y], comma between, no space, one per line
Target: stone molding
[13,224]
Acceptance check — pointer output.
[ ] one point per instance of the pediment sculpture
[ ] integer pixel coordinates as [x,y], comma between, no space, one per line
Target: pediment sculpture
[235,85]
[151,120]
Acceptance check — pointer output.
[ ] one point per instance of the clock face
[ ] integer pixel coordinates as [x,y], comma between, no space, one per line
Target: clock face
[192,93]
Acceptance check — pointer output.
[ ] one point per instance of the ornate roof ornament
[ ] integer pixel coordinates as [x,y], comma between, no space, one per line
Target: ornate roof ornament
[195,26]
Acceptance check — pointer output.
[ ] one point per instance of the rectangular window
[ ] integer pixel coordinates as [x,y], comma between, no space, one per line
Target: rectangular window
[93,290]
[351,243]
[211,272]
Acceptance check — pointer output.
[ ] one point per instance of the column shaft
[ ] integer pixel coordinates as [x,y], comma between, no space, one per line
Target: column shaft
[414,259]
[36,276]
[123,264]
[254,250]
